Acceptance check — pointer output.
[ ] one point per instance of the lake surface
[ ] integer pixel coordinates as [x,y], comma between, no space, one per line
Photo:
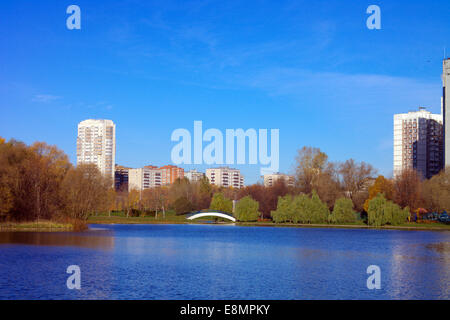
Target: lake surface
[224,262]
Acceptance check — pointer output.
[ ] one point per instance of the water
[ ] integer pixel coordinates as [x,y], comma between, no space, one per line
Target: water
[225,262]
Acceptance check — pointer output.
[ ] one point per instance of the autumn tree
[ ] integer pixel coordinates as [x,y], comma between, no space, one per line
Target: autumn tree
[381,185]
[436,192]
[407,189]
[354,179]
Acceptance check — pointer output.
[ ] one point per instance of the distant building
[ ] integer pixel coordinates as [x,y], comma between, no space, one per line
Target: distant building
[225,177]
[446,108]
[121,178]
[194,175]
[144,178]
[171,173]
[418,142]
[271,179]
[96,143]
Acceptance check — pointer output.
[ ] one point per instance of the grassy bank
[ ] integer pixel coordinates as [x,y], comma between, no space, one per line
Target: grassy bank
[41,225]
[171,218]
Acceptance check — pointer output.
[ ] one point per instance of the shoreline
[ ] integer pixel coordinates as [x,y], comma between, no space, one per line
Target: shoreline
[414,227]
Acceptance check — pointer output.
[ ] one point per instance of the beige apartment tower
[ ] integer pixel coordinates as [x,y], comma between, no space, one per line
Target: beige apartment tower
[96,143]
[225,177]
[418,142]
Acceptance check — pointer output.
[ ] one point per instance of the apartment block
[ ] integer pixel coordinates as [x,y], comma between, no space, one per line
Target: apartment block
[418,142]
[446,108]
[171,173]
[194,175]
[144,178]
[271,179]
[96,143]
[121,178]
[225,177]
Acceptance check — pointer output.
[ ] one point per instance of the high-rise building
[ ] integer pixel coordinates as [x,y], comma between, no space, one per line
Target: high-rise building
[271,179]
[225,177]
[418,142]
[171,173]
[194,175]
[446,108]
[96,143]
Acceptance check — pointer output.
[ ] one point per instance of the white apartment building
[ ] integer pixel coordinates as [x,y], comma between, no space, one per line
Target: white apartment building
[225,177]
[96,143]
[144,178]
[418,142]
[271,179]
[194,175]
[446,108]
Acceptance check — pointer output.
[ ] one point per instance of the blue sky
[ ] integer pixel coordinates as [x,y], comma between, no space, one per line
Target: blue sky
[311,69]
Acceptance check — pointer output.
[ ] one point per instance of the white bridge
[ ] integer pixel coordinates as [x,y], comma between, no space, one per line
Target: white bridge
[212,214]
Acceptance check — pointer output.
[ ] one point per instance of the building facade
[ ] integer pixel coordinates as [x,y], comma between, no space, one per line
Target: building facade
[446,108]
[96,143]
[225,177]
[194,175]
[171,173]
[121,178]
[418,142]
[144,178]
[271,179]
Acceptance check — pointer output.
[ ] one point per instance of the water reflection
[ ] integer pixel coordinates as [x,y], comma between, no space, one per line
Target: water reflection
[94,239]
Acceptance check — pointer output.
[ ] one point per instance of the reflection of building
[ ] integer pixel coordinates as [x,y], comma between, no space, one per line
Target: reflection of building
[121,178]
[418,142]
[225,177]
[194,175]
[446,108]
[96,143]
[271,179]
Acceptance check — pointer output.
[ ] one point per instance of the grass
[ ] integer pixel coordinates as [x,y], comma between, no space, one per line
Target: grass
[41,225]
[172,218]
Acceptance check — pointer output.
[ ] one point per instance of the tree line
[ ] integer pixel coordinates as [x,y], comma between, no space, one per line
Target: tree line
[39,182]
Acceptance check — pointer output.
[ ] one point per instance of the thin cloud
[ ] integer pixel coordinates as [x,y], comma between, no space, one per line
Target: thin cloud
[44,98]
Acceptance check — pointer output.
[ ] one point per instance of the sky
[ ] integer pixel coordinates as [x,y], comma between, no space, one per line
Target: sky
[311,69]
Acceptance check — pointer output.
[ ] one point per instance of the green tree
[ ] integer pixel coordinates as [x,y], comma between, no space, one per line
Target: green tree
[382,211]
[283,211]
[220,203]
[343,211]
[247,209]
[318,210]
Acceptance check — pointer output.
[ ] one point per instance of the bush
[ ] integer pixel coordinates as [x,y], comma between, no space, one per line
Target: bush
[220,203]
[343,211]
[382,212]
[247,209]
[301,209]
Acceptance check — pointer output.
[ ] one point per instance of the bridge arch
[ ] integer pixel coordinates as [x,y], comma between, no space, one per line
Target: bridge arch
[212,214]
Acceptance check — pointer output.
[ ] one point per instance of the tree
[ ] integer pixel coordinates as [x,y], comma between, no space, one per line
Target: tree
[319,209]
[382,211]
[343,211]
[182,205]
[436,192]
[283,211]
[310,163]
[247,209]
[220,203]
[85,191]
[381,185]
[354,180]
[407,189]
